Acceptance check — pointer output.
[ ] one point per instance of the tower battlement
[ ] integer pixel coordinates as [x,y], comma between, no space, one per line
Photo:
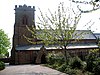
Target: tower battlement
[24,6]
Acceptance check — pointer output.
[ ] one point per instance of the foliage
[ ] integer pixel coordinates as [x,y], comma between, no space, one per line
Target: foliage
[53,58]
[74,72]
[63,67]
[76,63]
[57,28]
[59,58]
[91,61]
[56,61]
[73,66]
[96,69]
[2,65]
[50,59]
[4,43]
[94,51]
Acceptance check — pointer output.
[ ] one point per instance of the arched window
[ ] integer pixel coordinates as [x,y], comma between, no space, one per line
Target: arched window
[25,20]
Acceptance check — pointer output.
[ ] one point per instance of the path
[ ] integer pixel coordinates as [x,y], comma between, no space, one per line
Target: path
[29,70]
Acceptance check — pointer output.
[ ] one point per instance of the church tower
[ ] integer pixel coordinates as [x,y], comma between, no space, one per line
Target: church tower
[24,15]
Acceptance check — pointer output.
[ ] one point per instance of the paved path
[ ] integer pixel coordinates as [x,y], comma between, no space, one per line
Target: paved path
[29,70]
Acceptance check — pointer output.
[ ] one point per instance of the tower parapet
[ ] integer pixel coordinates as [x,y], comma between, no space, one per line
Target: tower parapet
[24,7]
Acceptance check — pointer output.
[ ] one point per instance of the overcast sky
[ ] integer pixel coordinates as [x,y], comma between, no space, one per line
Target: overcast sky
[7,16]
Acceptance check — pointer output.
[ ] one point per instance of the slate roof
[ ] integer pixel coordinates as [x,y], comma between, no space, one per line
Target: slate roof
[80,34]
[97,35]
[86,34]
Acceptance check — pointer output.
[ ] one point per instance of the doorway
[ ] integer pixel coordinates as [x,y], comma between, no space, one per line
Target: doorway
[43,59]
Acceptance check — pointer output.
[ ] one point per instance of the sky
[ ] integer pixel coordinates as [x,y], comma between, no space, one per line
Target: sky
[7,16]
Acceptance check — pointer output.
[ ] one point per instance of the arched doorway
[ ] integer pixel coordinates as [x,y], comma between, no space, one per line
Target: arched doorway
[43,59]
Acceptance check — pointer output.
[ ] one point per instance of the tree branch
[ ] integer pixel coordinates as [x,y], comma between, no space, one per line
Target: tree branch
[87,11]
[95,5]
[83,2]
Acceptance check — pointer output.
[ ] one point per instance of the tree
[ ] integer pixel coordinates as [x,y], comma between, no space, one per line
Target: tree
[58,28]
[4,43]
[94,3]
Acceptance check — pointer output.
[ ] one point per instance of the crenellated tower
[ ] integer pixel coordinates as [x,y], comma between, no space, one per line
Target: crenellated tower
[24,15]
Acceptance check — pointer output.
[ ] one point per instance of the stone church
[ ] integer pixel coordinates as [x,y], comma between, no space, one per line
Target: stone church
[24,53]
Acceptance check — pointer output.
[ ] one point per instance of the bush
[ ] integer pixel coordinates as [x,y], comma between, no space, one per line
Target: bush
[63,67]
[75,66]
[76,63]
[96,68]
[2,65]
[77,72]
[50,59]
[59,58]
[53,58]
[88,73]
[73,71]
[91,61]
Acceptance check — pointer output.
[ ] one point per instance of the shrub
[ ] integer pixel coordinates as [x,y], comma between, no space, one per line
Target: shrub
[76,63]
[73,71]
[91,61]
[59,58]
[63,67]
[88,73]
[77,72]
[2,65]
[50,58]
[96,68]
[55,58]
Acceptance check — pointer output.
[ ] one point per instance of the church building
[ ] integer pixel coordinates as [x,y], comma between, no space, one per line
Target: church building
[24,52]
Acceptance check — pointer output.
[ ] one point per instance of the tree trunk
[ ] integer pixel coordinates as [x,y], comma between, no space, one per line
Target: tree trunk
[65,53]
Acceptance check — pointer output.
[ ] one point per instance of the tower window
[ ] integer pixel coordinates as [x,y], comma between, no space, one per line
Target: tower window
[25,20]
